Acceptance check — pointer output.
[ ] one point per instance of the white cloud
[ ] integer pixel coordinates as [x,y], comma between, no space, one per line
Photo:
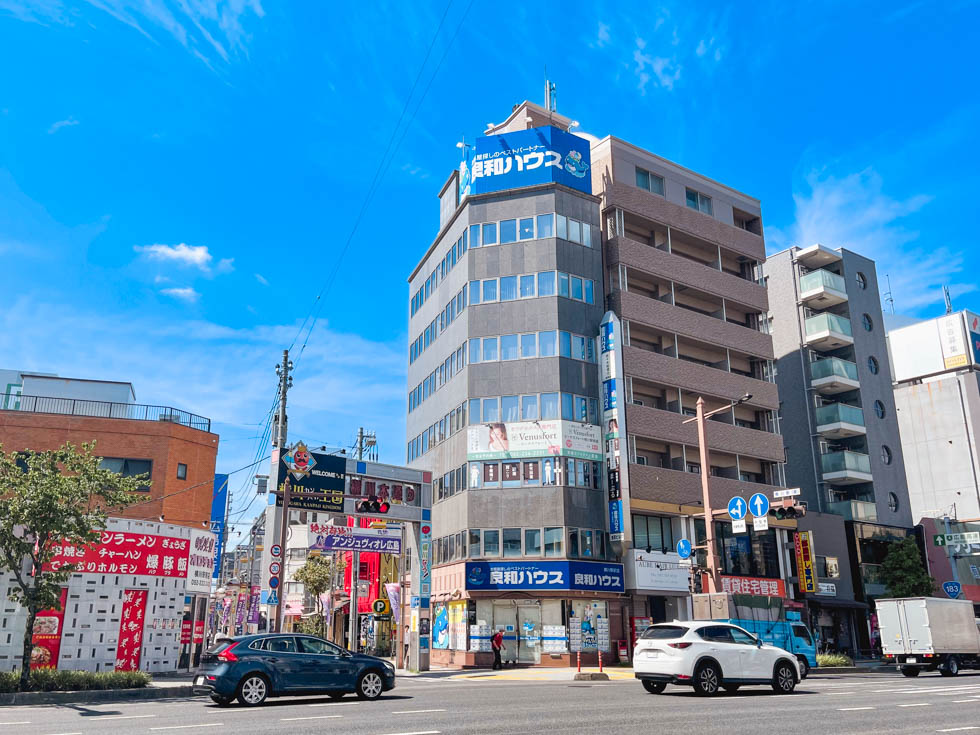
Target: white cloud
[261,279]
[855,212]
[187,295]
[665,70]
[191,256]
[603,36]
[66,123]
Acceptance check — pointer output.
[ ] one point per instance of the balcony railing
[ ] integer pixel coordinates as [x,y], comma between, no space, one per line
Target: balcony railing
[832,366]
[822,279]
[845,461]
[854,510]
[103,409]
[839,413]
[828,323]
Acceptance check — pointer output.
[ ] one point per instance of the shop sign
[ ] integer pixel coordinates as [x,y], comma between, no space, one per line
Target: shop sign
[545,575]
[323,475]
[46,636]
[253,605]
[129,649]
[198,632]
[518,439]
[186,626]
[613,429]
[520,158]
[753,586]
[827,588]
[200,561]
[804,561]
[346,538]
[657,571]
[240,607]
[117,552]
[953,341]
[219,503]
[425,562]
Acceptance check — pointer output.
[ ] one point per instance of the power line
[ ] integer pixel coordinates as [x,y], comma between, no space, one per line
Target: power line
[191,487]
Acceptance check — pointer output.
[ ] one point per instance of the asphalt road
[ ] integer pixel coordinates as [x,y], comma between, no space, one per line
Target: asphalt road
[866,704]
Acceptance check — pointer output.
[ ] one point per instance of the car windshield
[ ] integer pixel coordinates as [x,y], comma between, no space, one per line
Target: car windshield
[663,632]
[803,634]
[220,645]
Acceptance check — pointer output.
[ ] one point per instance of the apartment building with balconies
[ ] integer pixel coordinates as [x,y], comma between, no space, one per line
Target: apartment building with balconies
[838,420]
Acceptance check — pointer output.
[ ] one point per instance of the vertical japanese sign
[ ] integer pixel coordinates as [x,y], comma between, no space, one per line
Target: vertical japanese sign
[614,423]
[46,636]
[425,560]
[219,502]
[804,561]
[253,605]
[953,341]
[130,646]
[240,611]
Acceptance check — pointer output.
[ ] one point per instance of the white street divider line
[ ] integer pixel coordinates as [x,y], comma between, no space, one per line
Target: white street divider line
[416,711]
[418,732]
[66,733]
[917,704]
[188,727]
[852,709]
[315,717]
[121,717]
[961,701]
[331,704]
[960,729]
[22,722]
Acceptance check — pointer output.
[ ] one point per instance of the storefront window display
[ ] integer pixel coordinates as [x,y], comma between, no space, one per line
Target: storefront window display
[588,626]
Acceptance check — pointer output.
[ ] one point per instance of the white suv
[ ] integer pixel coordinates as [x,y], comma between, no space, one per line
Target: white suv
[709,656]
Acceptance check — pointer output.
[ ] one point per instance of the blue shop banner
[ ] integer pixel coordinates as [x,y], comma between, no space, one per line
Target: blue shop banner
[588,576]
[528,157]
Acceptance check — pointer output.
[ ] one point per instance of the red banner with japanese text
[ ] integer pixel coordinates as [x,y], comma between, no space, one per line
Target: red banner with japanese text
[46,636]
[130,646]
[126,553]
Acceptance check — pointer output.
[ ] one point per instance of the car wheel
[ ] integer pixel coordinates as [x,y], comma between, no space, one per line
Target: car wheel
[707,680]
[253,690]
[784,678]
[910,671]
[731,688]
[654,687]
[369,685]
[220,700]
[804,667]
[951,667]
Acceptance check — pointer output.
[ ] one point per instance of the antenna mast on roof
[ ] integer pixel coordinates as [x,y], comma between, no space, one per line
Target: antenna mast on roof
[550,94]
[949,301]
[888,294]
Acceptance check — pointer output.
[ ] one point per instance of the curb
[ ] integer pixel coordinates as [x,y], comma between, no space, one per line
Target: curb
[591,676]
[851,670]
[96,695]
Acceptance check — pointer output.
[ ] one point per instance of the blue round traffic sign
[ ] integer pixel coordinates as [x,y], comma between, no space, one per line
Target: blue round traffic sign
[737,508]
[759,505]
[273,582]
[684,548]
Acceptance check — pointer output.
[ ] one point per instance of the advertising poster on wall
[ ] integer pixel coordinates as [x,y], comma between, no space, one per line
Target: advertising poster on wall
[973,330]
[129,648]
[440,626]
[46,636]
[200,561]
[518,439]
[118,552]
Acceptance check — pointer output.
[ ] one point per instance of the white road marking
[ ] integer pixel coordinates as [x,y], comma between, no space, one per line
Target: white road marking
[314,717]
[23,722]
[415,711]
[331,704]
[852,709]
[66,733]
[960,729]
[917,704]
[417,732]
[119,717]
[961,701]
[188,727]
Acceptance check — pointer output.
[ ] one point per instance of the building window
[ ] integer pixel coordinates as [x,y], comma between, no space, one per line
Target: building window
[181,471]
[490,290]
[491,542]
[866,321]
[489,349]
[508,347]
[546,225]
[508,288]
[490,233]
[508,407]
[546,283]
[547,344]
[508,231]
[828,567]
[893,502]
[700,202]
[512,542]
[873,365]
[529,408]
[549,405]
[527,228]
[491,410]
[532,542]
[131,468]
[886,454]
[862,280]
[529,345]
[879,409]
[475,551]
[527,287]
[649,181]
[553,541]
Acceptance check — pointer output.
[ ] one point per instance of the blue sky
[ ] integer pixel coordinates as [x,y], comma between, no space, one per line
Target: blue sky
[178,180]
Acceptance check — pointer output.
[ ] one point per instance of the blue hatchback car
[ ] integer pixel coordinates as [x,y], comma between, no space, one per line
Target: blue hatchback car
[255,667]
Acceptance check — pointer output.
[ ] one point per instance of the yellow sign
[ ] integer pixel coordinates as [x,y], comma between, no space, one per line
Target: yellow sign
[804,561]
[380,607]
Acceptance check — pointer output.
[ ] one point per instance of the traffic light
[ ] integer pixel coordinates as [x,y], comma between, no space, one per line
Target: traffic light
[788,510]
[373,506]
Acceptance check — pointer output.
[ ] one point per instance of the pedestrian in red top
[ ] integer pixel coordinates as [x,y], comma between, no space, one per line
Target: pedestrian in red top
[497,643]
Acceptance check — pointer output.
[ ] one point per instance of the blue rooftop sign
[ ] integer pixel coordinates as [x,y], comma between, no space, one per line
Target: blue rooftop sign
[526,158]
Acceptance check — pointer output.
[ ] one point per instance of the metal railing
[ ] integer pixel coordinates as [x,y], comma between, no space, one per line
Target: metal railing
[821,278]
[102,409]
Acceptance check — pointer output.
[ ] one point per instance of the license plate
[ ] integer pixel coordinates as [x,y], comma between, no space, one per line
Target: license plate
[912,660]
[653,654]
[199,681]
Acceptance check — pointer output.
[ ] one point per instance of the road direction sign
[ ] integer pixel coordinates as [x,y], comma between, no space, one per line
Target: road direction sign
[952,589]
[789,492]
[970,537]
[276,550]
[737,508]
[939,539]
[684,548]
[738,526]
[272,599]
[275,567]
[759,505]
[760,523]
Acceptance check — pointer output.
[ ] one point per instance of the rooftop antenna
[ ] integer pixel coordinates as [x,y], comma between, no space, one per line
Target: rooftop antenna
[949,301]
[550,93]
[888,294]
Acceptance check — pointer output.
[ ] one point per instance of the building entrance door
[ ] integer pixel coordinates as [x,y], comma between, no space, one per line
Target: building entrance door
[505,620]
[529,624]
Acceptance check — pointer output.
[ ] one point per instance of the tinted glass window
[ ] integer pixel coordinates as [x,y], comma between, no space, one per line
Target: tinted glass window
[280,644]
[740,636]
[315,645]
[663,632]
[508,230]
[803,634]
[221,645]
[716,634]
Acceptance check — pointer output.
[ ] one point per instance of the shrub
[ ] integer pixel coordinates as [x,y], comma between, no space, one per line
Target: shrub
[55,680]
[833,659]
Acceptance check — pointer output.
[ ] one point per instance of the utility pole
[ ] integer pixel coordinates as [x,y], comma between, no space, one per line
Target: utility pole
[285,383]
[355,569]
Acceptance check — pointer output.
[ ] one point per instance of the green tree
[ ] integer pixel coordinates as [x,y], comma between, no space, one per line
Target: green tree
[903,572]
[316,575]
[48,499]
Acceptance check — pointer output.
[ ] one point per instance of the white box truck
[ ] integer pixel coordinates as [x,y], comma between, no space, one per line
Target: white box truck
[929,633]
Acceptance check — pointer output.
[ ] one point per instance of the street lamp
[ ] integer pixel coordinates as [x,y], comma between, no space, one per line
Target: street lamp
[709,532]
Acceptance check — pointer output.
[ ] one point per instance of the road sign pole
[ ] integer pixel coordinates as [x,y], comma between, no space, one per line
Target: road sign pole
[283,531]
[714,584]
[949,552]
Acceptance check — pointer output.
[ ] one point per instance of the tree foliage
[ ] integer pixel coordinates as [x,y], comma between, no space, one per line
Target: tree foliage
[903,572]
[47,499]
[316,575]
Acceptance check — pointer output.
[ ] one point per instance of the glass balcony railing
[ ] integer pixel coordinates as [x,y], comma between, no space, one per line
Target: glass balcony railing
[822,279]
[833,366]
[854,510]
[828,323]
[845,461]
[873,580]
[839,413]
